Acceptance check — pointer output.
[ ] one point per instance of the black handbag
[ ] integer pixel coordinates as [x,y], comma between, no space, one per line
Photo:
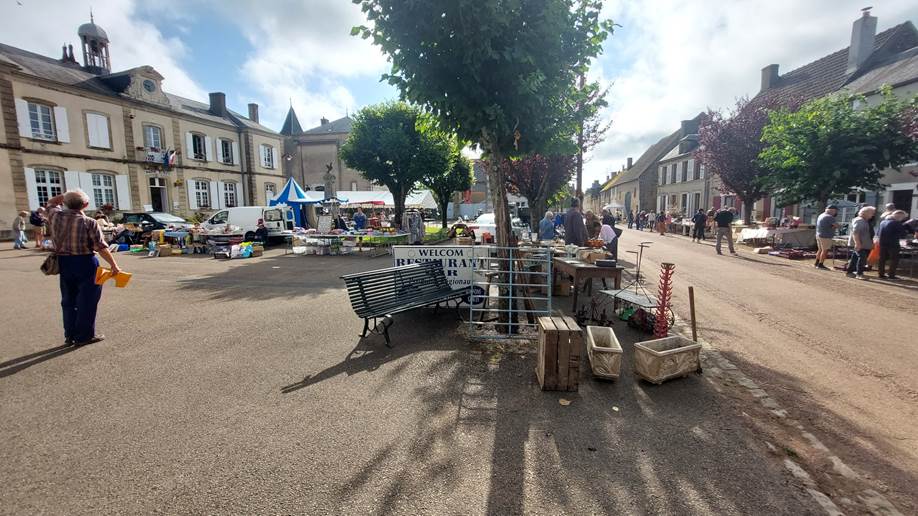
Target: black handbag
[50,266]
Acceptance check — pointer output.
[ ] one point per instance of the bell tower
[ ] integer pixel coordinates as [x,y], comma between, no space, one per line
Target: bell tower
[95,48]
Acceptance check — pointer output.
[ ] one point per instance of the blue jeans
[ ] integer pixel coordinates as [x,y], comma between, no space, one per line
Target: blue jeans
[79,296]
[20,240]
[858,261]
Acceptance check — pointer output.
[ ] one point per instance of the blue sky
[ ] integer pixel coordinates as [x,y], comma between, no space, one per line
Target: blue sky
[669,60]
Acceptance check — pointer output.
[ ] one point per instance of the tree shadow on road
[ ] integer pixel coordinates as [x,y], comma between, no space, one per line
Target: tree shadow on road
[490,441]
[872,456]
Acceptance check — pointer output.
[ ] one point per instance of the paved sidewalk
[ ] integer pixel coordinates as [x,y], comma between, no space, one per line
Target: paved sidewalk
[241,387]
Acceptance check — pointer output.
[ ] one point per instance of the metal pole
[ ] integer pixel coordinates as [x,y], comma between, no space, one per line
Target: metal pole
[691,302]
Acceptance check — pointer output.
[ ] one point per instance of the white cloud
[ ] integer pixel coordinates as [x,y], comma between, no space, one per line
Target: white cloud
[682,57]
[304,51]
[42,26]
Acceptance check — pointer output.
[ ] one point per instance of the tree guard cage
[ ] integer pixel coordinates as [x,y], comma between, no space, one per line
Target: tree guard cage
[511,289]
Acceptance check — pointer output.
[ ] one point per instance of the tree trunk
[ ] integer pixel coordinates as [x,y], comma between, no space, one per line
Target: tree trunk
[579,190]
[747,212]
[399,201]
[497,182]
[443,206]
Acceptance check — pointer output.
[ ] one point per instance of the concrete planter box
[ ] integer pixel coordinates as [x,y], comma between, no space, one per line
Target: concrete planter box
[659,360]
[604,351]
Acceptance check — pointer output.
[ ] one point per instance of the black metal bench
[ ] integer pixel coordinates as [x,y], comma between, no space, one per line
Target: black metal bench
[381,293]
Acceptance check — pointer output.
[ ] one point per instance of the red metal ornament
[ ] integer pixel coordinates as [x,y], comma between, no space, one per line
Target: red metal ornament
[664,295]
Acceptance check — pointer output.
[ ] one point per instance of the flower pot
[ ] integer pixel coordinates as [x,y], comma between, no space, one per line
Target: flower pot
[604,351]
[659,360]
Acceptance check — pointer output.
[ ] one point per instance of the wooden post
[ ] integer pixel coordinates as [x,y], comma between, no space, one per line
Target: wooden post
[691,302]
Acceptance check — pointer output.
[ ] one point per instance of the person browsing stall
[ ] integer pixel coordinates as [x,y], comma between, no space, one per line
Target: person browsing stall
[547,226]
[825,232]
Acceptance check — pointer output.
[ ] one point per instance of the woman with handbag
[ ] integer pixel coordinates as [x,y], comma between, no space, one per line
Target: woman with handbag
[76,239]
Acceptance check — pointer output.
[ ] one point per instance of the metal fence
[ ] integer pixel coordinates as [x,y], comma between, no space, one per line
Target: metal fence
[514,290]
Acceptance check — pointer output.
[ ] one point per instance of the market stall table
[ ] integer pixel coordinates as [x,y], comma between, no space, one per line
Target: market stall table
[583,271]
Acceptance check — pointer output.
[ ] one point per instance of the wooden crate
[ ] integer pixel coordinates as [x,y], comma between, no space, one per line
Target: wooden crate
[560,344]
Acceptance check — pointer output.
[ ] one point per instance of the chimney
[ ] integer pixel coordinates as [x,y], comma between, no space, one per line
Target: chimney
[253,112]
[218,103]
[64,52]
[769,77]
[863,33]
[323,121]
[688,127]
[630,163]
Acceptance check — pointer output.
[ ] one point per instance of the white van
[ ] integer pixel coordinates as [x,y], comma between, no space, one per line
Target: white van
[278,220]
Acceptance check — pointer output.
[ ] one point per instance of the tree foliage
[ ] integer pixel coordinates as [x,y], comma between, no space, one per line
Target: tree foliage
[391,144]
[835,144]
[730,144]
[501,73]
[455,177]
[538,178]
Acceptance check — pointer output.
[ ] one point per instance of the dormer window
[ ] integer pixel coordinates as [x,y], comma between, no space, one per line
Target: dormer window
[149,85]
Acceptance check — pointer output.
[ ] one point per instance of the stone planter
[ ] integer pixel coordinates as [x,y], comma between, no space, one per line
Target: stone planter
[604,351]
[659,360]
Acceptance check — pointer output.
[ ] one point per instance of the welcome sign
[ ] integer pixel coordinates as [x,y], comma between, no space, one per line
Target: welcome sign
[459,262]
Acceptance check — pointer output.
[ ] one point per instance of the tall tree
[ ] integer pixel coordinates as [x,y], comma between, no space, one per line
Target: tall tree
[538,178]
[389,145]
[835,144]
[730,144]
[503,74]
[456,177]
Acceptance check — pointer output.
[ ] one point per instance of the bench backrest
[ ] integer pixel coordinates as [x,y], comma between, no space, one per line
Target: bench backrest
[383,287]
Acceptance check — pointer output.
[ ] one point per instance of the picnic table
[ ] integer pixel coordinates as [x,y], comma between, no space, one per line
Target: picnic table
[580,271]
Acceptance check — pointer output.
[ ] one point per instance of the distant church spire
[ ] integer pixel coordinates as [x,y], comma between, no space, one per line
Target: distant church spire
[291,124]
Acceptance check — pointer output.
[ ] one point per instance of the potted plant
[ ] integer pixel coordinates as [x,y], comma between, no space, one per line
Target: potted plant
[604,352]
[659,360]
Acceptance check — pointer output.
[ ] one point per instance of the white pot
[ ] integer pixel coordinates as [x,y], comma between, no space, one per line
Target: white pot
[604,351]
[659,360]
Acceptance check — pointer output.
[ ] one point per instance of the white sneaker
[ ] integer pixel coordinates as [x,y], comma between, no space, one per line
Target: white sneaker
[860,277]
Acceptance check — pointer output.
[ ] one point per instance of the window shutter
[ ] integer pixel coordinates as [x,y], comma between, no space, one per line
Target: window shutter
[216,196]
[71,180]
[22,115]
[189,146]
[104,139]
[208,149]
[236,153]
[97,129]
[62,128]
[274,157]
[86,185]
[31,187]
[192,199]
[123,192]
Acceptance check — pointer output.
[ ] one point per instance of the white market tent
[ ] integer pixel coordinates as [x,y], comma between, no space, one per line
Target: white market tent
[419,199]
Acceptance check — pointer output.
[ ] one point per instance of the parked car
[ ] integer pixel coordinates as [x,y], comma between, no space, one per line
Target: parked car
[155,220]
[277,219]
[485,223]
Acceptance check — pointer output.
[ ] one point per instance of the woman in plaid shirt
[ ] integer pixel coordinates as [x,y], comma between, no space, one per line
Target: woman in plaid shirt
[76,239]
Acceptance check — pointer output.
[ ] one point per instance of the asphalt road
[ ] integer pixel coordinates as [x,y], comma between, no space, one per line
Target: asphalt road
[840,354]
[241,387]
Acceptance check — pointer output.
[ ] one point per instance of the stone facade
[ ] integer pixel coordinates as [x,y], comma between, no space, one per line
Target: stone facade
[311,151]
[67,126]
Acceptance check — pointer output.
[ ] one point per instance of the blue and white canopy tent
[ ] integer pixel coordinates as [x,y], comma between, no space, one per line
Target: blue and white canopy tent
[294,196]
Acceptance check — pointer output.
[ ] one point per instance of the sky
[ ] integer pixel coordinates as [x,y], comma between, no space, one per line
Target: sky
[667,61]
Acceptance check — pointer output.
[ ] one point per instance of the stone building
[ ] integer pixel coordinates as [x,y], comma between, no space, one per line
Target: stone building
[122,139]
[682,185]
[870,62]
[307,154]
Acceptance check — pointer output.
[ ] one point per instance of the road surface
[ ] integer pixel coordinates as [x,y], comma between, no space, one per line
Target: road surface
[840,354]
